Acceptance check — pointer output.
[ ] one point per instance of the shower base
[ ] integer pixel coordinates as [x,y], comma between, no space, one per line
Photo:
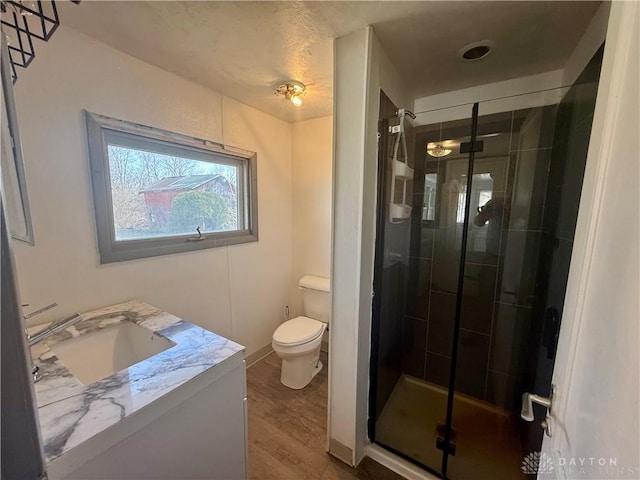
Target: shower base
[486,436]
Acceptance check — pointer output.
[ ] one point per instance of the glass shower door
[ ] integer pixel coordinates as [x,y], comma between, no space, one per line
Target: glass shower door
[469,289]
[487,349]
[411,381]
[498,290]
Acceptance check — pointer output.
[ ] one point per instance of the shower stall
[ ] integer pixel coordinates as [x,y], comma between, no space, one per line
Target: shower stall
[477,206]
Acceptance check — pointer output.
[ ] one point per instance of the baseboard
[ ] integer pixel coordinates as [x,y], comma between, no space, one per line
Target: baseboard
[397,464]
[341,452]
[258,355]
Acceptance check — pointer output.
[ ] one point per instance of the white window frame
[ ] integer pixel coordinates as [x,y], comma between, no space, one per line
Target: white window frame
[100,129]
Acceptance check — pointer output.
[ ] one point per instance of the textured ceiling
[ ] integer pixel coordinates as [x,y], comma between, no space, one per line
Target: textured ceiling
[245,49]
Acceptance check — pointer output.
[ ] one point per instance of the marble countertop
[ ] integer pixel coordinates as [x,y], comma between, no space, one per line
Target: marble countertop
[71,413]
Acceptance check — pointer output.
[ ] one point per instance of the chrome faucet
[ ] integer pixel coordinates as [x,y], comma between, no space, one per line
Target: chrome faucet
[53,328]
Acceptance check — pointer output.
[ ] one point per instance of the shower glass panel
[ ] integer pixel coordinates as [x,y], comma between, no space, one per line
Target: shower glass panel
[392,270]
[499,288]
[529,153]
[408,377]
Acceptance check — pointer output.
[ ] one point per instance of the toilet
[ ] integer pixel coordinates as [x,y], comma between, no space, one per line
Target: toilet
[297,341]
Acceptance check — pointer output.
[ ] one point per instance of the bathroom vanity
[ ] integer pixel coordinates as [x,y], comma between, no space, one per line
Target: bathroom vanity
[132,392]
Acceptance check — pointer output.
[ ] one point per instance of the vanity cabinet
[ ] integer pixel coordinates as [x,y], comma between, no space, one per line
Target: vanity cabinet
[197,431]
[178,414]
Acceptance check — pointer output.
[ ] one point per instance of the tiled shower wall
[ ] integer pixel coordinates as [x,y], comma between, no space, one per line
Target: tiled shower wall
[500,265]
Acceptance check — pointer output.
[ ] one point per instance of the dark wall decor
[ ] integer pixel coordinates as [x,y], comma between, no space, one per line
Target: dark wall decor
[22,22]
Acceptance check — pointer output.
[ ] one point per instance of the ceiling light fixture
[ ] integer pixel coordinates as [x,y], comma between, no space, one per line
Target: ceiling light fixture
[292,91]
[437,150]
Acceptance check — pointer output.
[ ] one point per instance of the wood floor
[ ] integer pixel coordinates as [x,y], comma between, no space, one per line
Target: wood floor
[287,430]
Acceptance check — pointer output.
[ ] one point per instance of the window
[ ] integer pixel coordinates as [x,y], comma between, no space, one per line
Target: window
[157,192]
[482,187]
[429,200]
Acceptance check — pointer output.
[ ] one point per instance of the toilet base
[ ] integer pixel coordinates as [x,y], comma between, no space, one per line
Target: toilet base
[298,371]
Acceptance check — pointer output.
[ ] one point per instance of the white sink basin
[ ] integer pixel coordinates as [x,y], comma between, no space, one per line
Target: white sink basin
[96,355]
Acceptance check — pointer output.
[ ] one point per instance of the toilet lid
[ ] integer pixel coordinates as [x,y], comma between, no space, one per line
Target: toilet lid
[297,331]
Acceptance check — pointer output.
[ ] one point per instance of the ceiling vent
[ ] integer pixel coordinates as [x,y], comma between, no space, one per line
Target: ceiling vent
[476,51]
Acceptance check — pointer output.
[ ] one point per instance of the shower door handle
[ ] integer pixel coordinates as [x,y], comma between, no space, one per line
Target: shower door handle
[528,399]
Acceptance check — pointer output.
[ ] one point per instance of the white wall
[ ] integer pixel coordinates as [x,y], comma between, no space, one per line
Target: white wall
[362,69]
[457,104]
[238,291]
[589,43]
[598,365]
[311,163]
[350,70]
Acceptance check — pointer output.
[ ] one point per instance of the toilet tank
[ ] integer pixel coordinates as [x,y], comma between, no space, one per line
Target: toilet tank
[315,297]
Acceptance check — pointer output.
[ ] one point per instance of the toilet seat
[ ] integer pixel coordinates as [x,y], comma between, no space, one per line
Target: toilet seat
[298,331]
